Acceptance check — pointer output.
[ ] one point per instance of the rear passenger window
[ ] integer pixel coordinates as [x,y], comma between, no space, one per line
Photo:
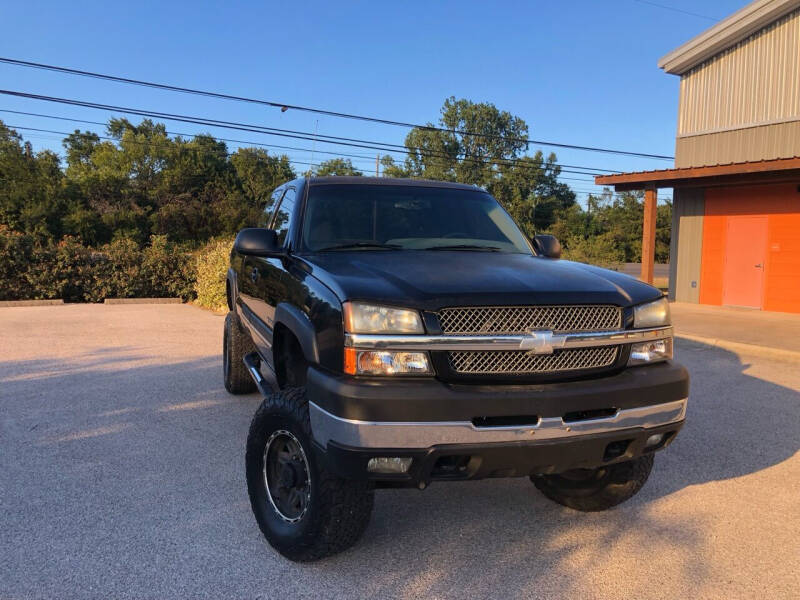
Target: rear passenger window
[283,216]
[269,209]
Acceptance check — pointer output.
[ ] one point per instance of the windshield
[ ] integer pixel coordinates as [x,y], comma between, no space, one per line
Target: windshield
[400,217]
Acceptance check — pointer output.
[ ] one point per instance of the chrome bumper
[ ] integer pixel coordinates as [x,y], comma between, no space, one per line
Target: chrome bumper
[390,434]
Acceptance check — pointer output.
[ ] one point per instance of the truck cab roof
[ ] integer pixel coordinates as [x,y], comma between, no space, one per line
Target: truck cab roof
[359,180]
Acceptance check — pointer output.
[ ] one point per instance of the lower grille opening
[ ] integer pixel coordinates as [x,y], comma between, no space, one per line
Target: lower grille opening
[521,362]
[616,449]
[517,421]
[585,415]
[450,467]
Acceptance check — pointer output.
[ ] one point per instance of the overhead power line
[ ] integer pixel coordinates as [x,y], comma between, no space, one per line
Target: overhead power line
[103,124]
[400,149]
[192,135]
[287,133]
[182,134]
[674,9]
[137,142]
[285,106]
[597,193]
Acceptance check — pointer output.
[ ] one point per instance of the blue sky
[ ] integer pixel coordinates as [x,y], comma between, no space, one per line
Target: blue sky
[581,72]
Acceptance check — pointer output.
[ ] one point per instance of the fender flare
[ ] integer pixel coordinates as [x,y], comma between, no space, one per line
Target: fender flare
[233,290]
[300,325]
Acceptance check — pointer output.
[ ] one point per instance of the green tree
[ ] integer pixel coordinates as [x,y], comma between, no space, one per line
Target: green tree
[477,138]
[31,187]
[530,191]
[259,173]
[145,182]
[476,143]
[337,166]
[609,231]
[389,168]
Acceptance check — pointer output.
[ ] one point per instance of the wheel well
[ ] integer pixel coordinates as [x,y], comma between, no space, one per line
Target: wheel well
[287,353]
[228,297]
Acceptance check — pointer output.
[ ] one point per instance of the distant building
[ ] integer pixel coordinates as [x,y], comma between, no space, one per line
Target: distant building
[736,211]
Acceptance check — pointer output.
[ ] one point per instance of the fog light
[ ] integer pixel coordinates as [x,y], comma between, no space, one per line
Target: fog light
[648,352]
[388,464]
[654,440]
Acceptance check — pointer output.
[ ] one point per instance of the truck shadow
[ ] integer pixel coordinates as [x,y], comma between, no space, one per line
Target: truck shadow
[737,424]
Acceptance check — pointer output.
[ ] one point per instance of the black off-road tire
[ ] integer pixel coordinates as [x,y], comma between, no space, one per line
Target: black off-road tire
[337,511]
[592,490]
[236,344]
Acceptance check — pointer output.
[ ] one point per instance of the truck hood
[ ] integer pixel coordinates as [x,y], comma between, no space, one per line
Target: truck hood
[430,280]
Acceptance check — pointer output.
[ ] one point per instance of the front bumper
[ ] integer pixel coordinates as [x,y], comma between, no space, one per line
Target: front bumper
[427,399]
[423,434]
[474,431]
[454,462]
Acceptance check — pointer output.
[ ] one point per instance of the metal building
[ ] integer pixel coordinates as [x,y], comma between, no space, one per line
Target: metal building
[736,181]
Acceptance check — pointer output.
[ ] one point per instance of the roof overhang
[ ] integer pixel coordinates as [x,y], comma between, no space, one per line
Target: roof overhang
[780,170]
[725,34]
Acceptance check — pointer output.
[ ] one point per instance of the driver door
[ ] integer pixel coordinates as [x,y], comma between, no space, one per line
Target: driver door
[268,277]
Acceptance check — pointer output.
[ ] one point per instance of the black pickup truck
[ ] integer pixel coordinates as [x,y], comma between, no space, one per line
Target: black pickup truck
[404,332]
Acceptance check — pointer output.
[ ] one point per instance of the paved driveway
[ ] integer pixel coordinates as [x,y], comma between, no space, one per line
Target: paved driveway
[122,475]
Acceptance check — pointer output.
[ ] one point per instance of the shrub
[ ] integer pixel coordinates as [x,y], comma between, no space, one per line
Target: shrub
[15,256]
[212,267]
[32,270]
[166,268]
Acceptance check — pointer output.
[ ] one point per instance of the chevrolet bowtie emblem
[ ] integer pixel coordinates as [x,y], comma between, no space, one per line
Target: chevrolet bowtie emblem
[542,342]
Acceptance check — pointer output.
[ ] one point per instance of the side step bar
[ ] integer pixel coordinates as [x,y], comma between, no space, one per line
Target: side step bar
[253,363]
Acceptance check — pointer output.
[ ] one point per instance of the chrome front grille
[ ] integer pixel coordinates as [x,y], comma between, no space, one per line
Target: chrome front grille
[515,320]
[520,362]
[522,320]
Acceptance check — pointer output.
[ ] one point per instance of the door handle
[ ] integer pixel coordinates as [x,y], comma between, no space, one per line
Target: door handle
[254,274]
[758,266]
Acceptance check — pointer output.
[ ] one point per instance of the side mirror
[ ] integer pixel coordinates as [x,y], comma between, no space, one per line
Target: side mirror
[547,245]
[255,241]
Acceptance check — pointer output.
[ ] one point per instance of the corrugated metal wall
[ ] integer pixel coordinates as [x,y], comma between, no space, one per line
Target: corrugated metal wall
[688,208]
[755,85]
[781,140]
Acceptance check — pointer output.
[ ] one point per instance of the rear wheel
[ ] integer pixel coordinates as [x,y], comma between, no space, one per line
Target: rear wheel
[305,512]
[236,344]
[592,490]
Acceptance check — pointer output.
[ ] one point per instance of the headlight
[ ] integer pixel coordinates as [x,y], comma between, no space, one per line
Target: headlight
[648,352]
[652,314]
[385,362]
[366,318]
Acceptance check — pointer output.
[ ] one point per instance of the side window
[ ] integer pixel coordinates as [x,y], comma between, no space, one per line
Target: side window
[269,209]
[283,216]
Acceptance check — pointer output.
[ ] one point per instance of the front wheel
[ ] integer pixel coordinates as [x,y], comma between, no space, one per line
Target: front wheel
[305,512]
[592,490]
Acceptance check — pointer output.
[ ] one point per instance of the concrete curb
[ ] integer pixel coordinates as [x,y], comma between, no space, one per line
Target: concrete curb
[4,303]
[740,347]
[143,301]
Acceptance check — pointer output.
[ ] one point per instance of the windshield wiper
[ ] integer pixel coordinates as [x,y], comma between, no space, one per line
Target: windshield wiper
[464,247]
[361,245]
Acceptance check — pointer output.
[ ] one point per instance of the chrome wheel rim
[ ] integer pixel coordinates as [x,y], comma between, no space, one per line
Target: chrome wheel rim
[287,478]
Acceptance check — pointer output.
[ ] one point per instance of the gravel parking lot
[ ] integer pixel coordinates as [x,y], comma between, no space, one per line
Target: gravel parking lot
[122,475]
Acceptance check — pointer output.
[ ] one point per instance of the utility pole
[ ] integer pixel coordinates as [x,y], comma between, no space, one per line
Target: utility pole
[377,165]
[313,147]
